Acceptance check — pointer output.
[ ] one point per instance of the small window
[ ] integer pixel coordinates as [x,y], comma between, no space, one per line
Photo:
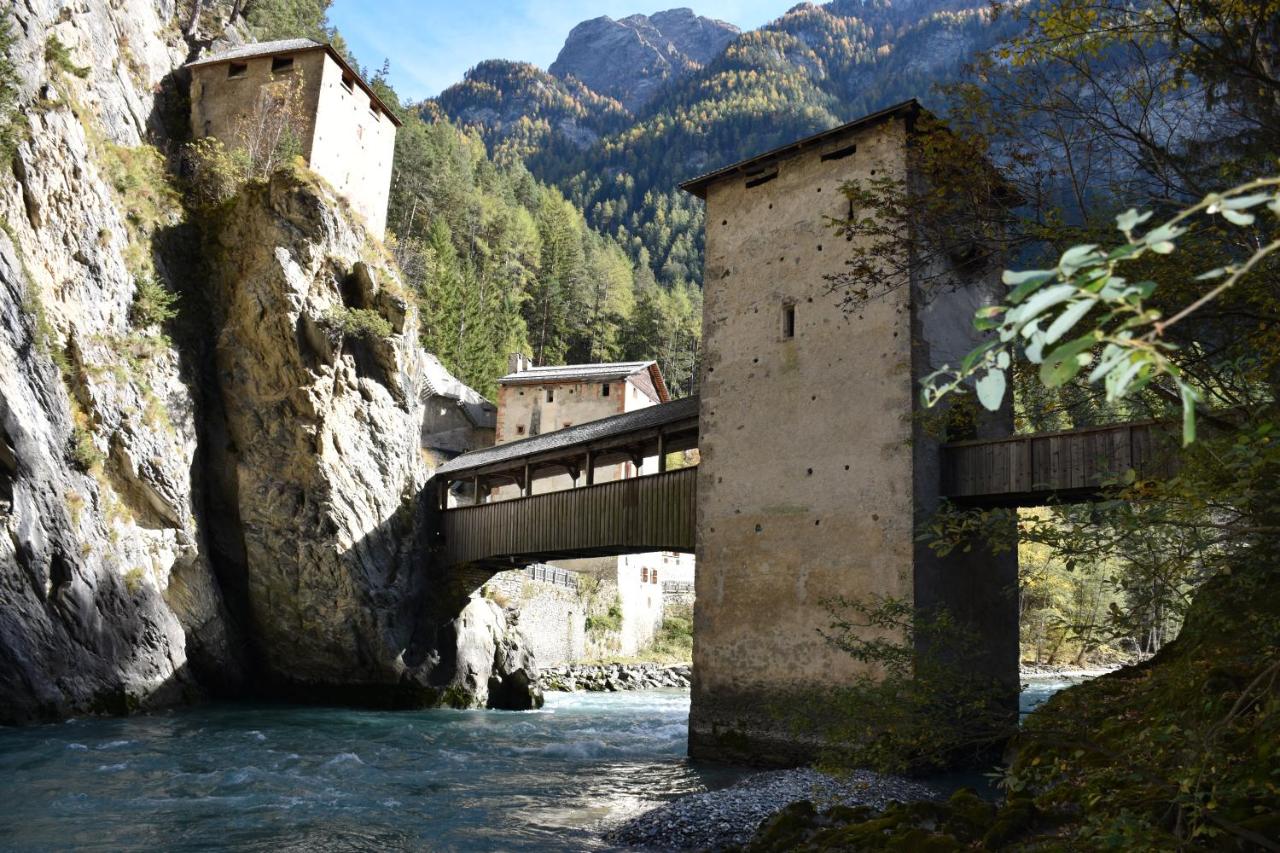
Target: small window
[374,111]
[653,577]
[348,82]
[644,575]
[788,321]
[604,390]
[761,179]
[520,429]
[237,70]
[281,64]
[839,153]
[567,424]
[551,395]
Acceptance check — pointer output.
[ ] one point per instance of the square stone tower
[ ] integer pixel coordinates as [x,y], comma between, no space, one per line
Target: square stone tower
[347,134]
[816,465]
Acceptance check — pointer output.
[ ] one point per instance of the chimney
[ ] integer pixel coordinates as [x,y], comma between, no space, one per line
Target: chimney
[517,362]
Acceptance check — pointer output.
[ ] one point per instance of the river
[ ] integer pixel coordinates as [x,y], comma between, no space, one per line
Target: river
[285,778]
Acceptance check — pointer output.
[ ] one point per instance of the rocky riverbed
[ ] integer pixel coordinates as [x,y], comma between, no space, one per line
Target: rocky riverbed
[730,816]
[613,677]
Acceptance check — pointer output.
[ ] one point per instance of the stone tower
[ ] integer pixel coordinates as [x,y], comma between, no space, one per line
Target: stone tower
[815,466]
[346,133]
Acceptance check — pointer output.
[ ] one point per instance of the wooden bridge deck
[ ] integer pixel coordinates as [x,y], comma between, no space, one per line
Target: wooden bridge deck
[1071,466]
[636,515]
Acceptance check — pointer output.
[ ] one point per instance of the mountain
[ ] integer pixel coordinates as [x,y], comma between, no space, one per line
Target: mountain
[617,130]
[632,58]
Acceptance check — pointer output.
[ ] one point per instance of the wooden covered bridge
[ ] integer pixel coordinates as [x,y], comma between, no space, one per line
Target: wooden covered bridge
[657,510]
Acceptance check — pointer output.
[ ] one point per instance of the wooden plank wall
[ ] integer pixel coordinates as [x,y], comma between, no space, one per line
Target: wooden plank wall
[652,513]
[1031,469]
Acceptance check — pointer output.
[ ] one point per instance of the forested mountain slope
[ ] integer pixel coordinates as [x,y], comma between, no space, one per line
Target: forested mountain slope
[810,69]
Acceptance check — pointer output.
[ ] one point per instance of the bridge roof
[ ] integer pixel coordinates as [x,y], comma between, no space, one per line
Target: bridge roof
[628,430]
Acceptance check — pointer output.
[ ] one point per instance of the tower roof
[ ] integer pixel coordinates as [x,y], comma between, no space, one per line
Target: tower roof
[752,165]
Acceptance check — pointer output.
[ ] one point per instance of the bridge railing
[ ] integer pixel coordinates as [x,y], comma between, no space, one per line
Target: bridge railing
[636,515]
[1070,465]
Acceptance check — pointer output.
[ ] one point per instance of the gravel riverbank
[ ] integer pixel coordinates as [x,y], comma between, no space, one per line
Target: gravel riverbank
[615,676]
[731,815]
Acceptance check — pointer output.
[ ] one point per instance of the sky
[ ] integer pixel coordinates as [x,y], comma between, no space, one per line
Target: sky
[431,43]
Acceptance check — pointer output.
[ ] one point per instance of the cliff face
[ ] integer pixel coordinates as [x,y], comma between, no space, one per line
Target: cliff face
[630,59]
[107,597]
[209,469]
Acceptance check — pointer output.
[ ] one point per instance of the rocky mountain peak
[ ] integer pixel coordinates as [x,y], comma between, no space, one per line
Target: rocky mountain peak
[630,59]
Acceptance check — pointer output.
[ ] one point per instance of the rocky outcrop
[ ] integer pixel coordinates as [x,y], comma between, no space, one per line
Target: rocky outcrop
[318,361]
[616,676]
[182,515]
[632,58]
[108,601]
[493,665]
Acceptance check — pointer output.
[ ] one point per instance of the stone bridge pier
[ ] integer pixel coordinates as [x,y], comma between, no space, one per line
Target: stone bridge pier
[816,464]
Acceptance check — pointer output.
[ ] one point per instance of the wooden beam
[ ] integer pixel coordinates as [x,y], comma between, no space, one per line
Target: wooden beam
[662,452]
[591,468]
[528,480]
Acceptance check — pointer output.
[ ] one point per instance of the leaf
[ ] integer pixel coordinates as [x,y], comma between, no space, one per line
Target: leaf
[1164,247]
[1189,398]
[1131,219]
[1064,362]
[1163,234]
[1026,282]
[990,388]
[1047,298]
[1235,217]
[1218,273]
[1067,319]
[1078,256]
[971,360]
[1241,202]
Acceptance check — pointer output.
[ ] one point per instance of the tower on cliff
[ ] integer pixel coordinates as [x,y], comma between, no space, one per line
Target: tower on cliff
[254,96]
[816,465]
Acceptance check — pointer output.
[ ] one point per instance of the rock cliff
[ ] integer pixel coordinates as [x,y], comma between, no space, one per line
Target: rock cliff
[208,469]
[630,59]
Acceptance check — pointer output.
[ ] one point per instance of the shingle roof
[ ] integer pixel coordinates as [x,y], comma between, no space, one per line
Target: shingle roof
[641,419]
[698,186]
[576,373]
[262,48]
[607,372]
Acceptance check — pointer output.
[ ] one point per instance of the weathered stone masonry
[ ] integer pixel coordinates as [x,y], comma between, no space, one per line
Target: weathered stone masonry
[823,500]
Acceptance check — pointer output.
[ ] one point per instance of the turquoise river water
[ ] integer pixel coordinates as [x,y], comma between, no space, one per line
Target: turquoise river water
[286,778]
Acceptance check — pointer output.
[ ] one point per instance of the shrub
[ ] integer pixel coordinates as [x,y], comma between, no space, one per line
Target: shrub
[82,451]
[610,620]
[58,55]
[358,323]
[153,305]
[215,173]
[10,128]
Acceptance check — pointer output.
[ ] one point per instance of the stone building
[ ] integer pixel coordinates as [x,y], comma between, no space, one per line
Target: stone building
[536,400]
[346,133]
[820,493]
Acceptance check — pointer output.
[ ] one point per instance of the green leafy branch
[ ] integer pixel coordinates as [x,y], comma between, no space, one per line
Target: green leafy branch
[1126,345]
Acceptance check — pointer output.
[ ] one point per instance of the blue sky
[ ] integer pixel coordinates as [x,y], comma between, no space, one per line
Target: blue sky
[430,44]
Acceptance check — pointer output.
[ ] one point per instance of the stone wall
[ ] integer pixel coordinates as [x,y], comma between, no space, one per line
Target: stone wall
[552,616]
